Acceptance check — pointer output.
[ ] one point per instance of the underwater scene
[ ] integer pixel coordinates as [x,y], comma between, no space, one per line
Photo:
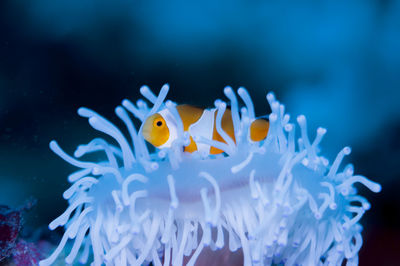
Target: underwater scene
[199,133]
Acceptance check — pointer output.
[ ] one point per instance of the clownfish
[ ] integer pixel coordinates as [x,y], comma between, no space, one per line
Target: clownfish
[160,129]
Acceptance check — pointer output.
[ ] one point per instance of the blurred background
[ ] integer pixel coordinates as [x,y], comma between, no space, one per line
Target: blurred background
[337,62]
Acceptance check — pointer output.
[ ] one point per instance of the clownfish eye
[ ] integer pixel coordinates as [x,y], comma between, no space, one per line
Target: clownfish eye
[158,123]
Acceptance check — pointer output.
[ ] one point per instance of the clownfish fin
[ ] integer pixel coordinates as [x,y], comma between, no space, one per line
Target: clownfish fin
[189,114]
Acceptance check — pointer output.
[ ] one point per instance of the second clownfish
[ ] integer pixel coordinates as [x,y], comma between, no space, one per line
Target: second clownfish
[160,129]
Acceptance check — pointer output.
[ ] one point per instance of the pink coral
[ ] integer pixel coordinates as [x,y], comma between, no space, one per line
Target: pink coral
[26,253]
[12,247]
[10,224]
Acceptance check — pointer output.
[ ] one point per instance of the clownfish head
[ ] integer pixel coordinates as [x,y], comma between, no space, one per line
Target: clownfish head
[159,129]
[155,130]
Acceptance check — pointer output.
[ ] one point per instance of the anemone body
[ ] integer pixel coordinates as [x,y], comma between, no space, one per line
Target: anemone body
[278,200]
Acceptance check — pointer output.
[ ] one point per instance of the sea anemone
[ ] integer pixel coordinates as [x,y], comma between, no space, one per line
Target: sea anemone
[278,200]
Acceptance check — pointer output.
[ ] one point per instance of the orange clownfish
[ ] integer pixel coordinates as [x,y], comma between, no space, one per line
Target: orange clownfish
[160,129]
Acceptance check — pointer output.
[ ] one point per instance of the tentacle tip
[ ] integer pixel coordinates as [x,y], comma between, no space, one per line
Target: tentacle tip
[66,195]
[83,111]
[222,105]
[53,145]
[154,166]
[78,153]
[242,90]
[344,191]
[165,87]
[119,110]
[217,102]
[321,131]
[228,90]
[52,226]
[140,102]
[376,188]
[144,89]
[325,162]
[162,154]
[125,102]
[347,150]
[301,119]
[169,103]
[273,117]
[271,96]
[288,127]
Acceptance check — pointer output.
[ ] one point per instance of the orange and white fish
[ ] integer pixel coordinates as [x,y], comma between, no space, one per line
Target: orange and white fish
[160,129]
